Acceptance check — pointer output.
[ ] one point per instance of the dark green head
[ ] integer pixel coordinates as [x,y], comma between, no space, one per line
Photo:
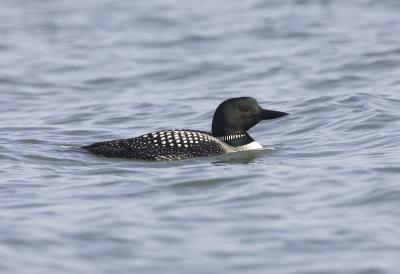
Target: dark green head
[238,115]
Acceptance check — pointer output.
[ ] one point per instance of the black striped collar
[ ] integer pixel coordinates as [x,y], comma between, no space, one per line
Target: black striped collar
[231,137]
[236,140]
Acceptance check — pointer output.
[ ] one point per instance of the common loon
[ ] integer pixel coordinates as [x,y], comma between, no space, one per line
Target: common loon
[231,120]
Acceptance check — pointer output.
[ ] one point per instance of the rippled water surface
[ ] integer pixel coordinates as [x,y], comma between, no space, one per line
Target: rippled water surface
[325,200]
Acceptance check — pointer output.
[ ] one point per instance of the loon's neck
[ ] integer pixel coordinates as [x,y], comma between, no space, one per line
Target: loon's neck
[236,139]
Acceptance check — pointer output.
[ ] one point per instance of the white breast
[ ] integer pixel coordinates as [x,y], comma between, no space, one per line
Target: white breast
[252,146]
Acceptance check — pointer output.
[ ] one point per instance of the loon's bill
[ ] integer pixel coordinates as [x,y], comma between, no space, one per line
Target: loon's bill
[232,119]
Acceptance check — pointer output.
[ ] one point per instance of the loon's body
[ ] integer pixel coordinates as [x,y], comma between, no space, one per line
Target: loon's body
[231,121]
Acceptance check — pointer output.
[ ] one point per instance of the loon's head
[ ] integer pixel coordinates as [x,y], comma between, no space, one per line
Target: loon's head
[238,115]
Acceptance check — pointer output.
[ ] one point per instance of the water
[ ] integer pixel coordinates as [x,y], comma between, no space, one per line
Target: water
[326,200]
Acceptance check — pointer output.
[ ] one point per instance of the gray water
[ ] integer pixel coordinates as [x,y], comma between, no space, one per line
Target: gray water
[325,200]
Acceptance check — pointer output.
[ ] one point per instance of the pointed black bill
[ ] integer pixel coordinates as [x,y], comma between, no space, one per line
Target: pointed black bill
[271,114]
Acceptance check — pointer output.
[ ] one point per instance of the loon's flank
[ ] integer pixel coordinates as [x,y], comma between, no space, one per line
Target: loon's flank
[232,119]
